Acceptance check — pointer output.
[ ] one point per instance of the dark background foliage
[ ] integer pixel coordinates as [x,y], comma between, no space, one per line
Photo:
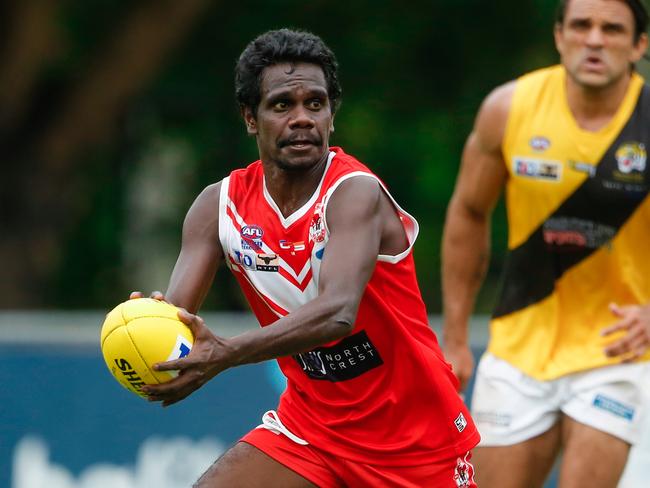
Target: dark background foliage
[115,114]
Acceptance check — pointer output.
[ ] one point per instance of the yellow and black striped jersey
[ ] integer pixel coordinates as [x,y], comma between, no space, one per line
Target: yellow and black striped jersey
[579,226]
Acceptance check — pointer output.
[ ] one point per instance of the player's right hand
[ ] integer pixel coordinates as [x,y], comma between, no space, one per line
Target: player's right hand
[634,324]
[461,358]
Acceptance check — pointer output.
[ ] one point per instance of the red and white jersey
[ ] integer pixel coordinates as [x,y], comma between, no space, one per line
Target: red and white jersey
[383,394]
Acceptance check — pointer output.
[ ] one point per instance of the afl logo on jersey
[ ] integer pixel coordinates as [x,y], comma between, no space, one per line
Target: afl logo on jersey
[539,143]
[251,237]
[631,156]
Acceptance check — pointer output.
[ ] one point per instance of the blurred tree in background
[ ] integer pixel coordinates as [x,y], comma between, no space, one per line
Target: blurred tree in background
[115,114]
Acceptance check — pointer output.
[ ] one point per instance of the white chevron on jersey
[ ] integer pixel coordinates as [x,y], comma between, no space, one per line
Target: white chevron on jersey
[286,222]
[240,222]
[286,290]
[281,295]
[275,308]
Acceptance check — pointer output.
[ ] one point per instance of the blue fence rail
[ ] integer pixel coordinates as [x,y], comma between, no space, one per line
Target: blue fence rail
[66,423]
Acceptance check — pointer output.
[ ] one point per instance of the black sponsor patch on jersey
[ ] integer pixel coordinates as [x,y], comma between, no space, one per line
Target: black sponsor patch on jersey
[267,262]
[347,359]
[586,221]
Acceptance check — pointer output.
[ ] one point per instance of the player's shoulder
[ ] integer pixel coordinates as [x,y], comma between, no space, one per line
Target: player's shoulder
[241,181]
[493,114]
[212,191]
[345,163]
[248,173]
[202,218]
[354,199]
[341,169]
[543,75]
[208,200]
[346,174]
[346,171]
[499,101]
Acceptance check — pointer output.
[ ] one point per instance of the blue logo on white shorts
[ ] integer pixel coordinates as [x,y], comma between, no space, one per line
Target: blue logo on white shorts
[613,406]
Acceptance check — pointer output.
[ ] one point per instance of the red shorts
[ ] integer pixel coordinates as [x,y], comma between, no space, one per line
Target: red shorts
[328,471]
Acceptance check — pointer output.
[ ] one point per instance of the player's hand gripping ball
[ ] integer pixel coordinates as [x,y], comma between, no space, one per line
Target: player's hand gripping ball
[138,334]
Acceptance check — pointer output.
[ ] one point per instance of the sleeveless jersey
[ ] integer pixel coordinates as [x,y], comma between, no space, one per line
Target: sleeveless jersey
[383,394]
[579,227]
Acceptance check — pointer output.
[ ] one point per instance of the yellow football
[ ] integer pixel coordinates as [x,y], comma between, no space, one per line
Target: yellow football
[139,333]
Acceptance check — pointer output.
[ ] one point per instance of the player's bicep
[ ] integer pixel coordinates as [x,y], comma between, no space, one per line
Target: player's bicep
[200,253]
[481,178]
[355,228]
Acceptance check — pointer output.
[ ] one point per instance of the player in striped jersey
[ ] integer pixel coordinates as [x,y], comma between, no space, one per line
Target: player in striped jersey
[568,144]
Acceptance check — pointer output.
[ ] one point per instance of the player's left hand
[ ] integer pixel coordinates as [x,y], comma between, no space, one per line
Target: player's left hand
[208,357]
[634,320]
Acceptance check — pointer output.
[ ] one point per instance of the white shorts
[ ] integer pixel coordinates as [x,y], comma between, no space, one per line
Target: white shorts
[509,407]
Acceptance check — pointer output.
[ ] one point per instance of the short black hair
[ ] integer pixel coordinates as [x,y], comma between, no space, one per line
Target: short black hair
[637,7]
[281,46]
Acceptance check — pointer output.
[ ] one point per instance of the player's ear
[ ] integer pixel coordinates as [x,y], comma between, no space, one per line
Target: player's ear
[332,124]
[249,120]
[558,37]
[640,48]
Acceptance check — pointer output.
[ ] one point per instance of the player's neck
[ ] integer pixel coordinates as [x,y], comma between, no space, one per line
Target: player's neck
[290,189]
[593,108]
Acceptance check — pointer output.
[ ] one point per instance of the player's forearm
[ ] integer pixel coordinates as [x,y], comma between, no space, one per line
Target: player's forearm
[321,321]
[465,256]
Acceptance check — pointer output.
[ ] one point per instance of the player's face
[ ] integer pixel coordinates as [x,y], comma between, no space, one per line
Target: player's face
[596,42]
[294,118]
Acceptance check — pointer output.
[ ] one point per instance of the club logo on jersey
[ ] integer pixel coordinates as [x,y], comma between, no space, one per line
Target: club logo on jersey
[245,260]
[347,359]
[631,156]
[463,473]
[539,143]
[251,237]
[538,169]
[292,247]
[317,225]
[267,262]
